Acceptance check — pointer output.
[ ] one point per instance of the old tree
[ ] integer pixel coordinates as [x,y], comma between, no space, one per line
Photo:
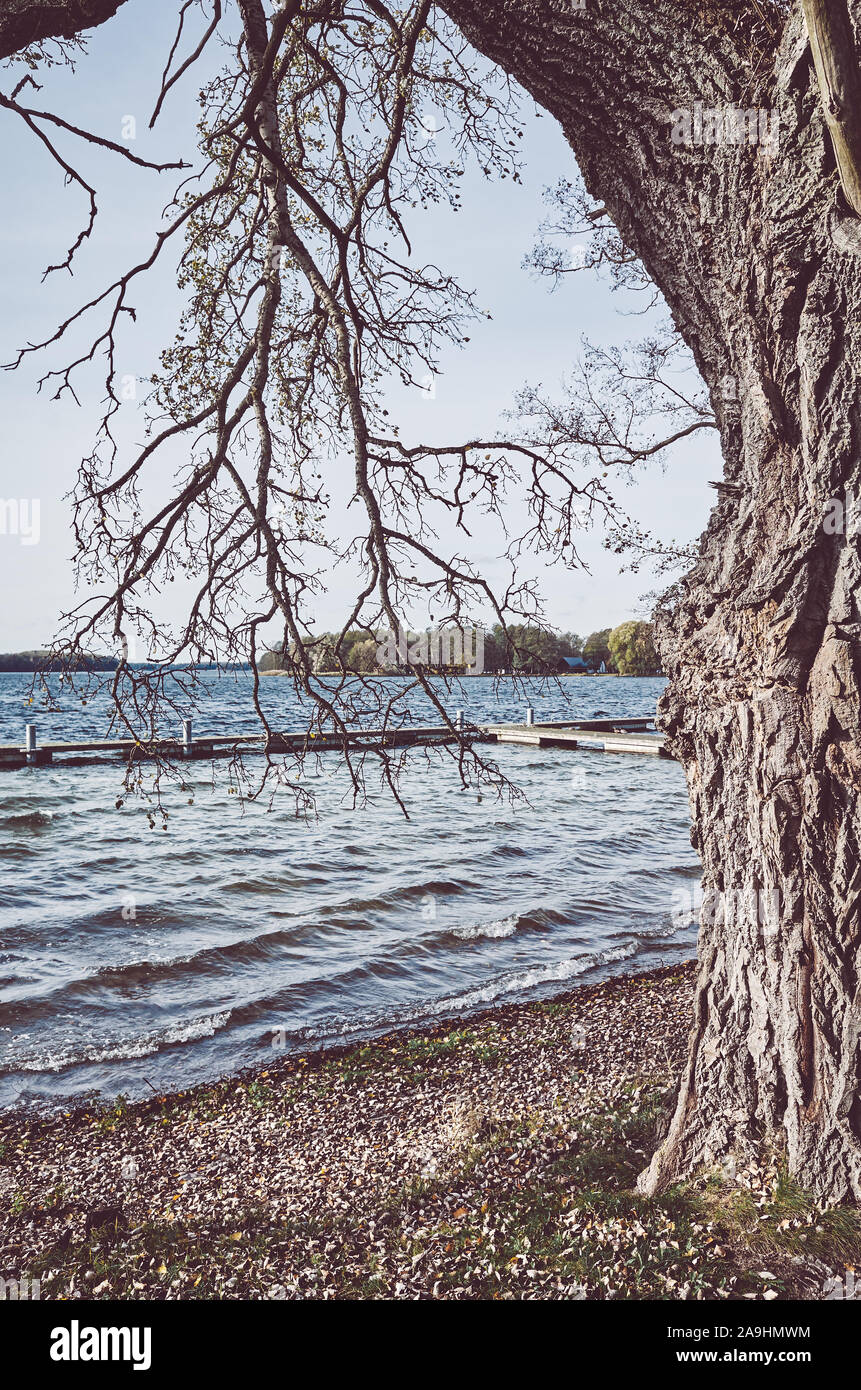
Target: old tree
[755,243]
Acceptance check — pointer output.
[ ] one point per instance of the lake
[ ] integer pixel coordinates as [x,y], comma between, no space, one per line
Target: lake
[133,958]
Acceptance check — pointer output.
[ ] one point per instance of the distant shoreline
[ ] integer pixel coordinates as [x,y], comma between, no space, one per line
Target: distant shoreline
[104,666]
[482,675]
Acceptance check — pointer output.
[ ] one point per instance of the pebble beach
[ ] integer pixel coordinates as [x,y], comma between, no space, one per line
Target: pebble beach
[482,1158]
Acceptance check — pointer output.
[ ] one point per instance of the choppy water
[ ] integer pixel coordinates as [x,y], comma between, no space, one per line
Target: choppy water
[130,956]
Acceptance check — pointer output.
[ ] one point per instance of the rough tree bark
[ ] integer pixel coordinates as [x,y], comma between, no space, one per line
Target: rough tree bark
[759,258]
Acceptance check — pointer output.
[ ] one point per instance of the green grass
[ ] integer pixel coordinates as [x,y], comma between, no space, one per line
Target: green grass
[792,1223]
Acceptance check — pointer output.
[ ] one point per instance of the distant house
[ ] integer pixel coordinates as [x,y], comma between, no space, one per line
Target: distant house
[573,665]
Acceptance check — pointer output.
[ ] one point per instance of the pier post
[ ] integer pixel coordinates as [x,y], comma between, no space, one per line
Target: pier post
[458,719]
[34,756]
[186,738]
[530,715]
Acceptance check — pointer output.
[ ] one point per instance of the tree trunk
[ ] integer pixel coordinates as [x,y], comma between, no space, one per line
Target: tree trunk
[761,266]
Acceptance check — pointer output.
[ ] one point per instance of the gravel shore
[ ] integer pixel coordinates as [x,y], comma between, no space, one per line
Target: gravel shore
[481,1158]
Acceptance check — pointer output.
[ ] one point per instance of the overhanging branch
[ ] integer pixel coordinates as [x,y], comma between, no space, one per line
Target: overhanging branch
[832,43]
[25,22]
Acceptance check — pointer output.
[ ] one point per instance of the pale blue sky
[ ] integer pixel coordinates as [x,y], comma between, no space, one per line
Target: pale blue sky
[534,334]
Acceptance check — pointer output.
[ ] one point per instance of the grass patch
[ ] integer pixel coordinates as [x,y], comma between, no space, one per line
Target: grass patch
[777,1217]
[534,1205]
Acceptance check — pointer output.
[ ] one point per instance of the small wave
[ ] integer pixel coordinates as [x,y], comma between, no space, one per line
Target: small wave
[437,887]
[512,983]
[208,961]
[521,981]
[15,850]
[687,870]
[433,885]
[666,929]
[495,931]
[251,885]
[29,820]
[190,1030]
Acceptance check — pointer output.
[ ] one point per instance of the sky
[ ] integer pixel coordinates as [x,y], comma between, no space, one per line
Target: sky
[533,337]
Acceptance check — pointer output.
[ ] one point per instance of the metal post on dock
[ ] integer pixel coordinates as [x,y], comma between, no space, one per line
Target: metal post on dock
[186,738]
[458,719]
[530,715]
[30,742]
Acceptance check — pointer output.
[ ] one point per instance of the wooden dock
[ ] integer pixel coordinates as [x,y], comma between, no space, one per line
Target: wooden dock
[601,735]
[610,735]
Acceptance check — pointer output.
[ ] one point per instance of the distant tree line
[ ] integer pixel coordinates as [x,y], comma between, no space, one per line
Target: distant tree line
[626,650]
[43,661]
[40,661]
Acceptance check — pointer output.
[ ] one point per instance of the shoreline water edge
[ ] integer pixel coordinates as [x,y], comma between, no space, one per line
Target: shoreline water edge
[481,1158]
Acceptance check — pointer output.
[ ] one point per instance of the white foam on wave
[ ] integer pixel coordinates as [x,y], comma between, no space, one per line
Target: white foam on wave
[513,982]
[669,929]
[190,1030]
[518,981]
[496,930]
